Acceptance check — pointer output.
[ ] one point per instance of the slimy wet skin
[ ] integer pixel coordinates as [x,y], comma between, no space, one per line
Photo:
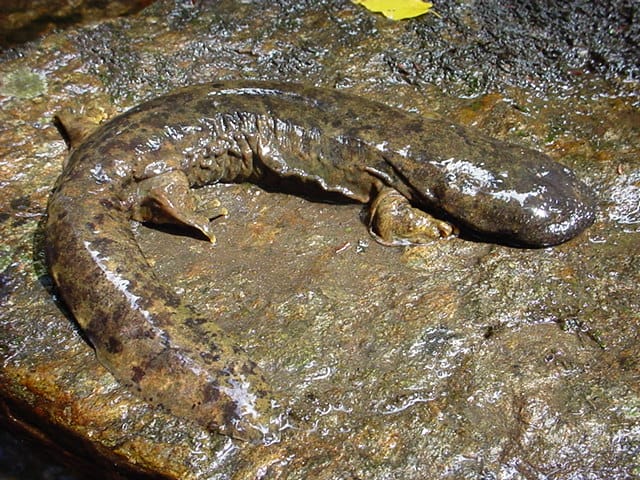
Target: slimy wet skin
[141,166]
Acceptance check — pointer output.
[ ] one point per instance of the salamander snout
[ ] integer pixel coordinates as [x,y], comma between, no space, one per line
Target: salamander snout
[559,208]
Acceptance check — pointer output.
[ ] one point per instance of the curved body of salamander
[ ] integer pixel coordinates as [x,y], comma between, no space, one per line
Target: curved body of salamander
[141,164]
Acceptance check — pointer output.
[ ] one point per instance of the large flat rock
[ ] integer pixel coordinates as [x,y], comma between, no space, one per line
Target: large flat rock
[455,359]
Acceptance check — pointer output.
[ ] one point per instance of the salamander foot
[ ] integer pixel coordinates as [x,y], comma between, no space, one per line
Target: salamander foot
[393,221]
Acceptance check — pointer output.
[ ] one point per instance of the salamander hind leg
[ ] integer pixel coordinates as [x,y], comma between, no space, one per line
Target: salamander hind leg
[167,199]
[393,221]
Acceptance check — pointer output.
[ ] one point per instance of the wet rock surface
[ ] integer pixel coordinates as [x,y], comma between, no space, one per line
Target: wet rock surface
[22,21]
[451,360]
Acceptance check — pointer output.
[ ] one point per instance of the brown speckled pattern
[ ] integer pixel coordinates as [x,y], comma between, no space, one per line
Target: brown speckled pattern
[309,139]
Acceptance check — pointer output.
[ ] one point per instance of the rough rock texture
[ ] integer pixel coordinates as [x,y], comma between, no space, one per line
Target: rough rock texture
[25,20]
[451,360]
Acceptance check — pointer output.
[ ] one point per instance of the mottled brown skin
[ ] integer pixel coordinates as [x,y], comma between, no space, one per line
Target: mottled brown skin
[141,165]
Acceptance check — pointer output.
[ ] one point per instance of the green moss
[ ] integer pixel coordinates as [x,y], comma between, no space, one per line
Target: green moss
[23,83]
[5,258]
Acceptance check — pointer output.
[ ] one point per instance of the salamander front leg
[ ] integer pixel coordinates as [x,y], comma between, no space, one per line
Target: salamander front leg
[393,221]
[167,199]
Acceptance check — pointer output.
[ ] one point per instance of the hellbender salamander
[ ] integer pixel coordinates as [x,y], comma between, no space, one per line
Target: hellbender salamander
[142,164]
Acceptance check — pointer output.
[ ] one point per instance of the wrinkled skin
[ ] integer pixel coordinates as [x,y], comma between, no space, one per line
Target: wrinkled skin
[141,165]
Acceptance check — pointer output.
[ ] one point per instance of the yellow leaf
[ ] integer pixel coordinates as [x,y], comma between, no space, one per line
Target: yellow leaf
[397,9]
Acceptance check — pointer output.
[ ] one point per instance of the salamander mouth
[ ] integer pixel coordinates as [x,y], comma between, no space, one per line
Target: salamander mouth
[569,208]
[581,217]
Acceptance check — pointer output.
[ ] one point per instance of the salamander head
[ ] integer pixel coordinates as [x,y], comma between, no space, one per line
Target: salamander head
[523,198]
[503,192]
